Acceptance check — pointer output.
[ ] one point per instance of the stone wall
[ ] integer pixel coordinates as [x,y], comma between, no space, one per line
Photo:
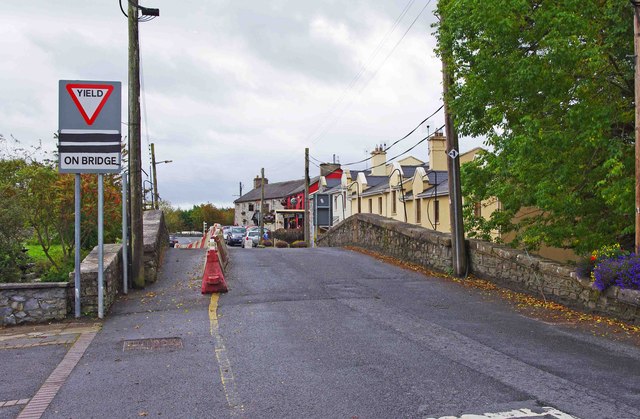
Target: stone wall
[156,241]
[41,302]
[112,279]
[501,264]
[32,302]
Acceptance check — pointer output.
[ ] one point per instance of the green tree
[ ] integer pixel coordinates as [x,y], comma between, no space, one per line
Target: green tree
[172,217]
[550,87]
[12,220]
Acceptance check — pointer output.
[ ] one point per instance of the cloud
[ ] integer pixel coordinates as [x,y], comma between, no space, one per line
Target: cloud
[230,87]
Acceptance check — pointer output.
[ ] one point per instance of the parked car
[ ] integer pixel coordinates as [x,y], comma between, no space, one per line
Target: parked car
[173,240]
[253,235]
[235,236]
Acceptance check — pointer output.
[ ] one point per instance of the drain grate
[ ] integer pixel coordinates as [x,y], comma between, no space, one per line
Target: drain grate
[152,344]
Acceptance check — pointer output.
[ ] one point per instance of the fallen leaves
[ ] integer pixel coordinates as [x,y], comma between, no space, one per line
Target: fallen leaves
[529,305]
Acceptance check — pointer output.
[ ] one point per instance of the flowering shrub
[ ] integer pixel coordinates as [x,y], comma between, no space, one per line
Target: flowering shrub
[608,252]
[622,271]
[585,267]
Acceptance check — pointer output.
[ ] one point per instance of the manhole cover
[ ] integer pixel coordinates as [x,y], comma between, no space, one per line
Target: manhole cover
[151,344]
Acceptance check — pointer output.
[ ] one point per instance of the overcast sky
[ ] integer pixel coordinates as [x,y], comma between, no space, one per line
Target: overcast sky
[230,87]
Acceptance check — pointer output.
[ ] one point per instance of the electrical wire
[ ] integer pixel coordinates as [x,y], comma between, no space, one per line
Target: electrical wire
[407,150]
[313,158]
[362,70]
[401,139]
[395,46]
[375,73]
[143,18]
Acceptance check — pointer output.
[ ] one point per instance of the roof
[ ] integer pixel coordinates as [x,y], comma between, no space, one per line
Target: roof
[276,190]
[442,188]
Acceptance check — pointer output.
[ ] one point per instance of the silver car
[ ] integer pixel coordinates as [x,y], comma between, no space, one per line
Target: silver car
[254,236]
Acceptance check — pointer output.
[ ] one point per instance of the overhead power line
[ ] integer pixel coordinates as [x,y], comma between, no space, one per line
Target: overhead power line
[401,139]
[409,149]
[326,121]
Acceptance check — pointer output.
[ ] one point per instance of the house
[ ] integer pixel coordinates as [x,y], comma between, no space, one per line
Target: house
[247,207]
[410,190]
[284,201]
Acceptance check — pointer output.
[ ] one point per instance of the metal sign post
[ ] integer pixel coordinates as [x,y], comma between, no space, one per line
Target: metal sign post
[89,115]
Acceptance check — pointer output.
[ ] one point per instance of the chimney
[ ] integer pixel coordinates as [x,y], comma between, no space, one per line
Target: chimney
[326,168]
[257,182]
[438,151]
[378,161]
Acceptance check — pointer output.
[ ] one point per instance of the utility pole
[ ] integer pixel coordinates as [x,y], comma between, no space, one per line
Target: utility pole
[154,199]
[307,235]
[636,45]
[135,166]
[261,205]
[455,191]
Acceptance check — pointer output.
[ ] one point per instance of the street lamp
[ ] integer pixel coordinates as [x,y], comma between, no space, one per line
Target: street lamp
[399,186]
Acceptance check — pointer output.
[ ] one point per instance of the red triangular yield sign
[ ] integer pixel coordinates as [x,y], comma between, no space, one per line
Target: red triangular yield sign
[89,98]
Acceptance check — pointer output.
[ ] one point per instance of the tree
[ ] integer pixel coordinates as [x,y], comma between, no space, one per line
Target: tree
[550,86]
[12,219]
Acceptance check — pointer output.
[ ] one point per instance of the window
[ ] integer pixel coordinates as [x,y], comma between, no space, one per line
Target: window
[266,207]
[436,212]
[251,207]
[380,205]
[418,212]
[370,205]
[393,202]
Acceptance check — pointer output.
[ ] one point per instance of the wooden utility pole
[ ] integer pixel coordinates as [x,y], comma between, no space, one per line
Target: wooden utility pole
[154,199]
[261,206]
[307,227]
[135,165]
[636,44]
[459,255]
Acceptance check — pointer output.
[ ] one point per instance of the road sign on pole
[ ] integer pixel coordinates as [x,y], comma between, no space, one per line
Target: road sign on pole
[90,114]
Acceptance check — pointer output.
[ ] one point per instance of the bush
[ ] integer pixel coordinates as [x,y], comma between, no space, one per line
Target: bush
[267,243]
[289,235]
[622,271]
[299,244]
[585,267]
[281,244]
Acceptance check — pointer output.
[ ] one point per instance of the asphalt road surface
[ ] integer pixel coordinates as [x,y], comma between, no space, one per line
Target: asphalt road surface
[331,333]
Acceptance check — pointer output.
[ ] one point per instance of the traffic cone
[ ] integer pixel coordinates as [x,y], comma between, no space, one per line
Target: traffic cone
[213,278]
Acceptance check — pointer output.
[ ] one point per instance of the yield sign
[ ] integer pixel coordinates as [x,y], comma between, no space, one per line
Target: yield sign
[89,98]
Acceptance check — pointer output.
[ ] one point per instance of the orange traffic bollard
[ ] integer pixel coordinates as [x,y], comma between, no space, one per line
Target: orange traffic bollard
[213,278]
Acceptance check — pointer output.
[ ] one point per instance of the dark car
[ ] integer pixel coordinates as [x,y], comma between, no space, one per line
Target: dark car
[173,241]
[235,236]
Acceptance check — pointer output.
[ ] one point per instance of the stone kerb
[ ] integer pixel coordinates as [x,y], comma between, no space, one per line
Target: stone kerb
[156,241]
[498,263]
[32,302]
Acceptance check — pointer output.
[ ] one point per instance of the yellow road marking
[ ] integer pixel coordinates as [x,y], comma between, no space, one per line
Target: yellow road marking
[226,374]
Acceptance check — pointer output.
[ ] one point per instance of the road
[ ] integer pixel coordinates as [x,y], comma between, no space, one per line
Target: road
[331,333]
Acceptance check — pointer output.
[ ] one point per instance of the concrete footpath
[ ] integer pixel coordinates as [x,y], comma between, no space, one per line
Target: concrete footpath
[153,355]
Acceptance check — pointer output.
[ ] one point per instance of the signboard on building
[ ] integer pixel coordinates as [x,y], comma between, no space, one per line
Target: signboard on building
[89,126]
[322,210]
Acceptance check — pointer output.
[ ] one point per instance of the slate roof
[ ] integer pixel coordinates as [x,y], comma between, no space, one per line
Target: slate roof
[442,187]
[277,190]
